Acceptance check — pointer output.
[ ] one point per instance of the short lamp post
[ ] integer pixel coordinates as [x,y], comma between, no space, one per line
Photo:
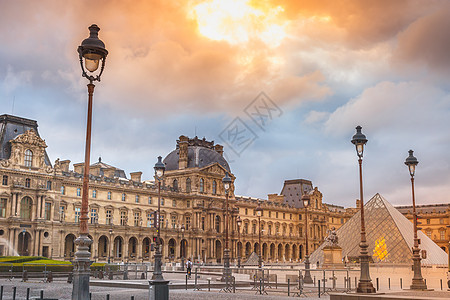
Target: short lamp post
[183,247]
[91,51]
[226,276]
[159,288]
[259,212]
[365,283]
[307,278]
[24,231]
[418,282]
[239,224]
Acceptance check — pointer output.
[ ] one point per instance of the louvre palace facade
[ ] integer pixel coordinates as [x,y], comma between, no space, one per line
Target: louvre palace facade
[40,205]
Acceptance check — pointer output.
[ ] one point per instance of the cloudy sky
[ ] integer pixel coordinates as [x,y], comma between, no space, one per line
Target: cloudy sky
[199,67]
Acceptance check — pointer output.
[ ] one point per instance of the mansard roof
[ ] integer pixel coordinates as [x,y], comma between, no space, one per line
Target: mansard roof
[10,128]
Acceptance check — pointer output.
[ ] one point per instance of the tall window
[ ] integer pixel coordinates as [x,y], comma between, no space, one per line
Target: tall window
[94,216]
[217,224]
[214,187]
[78,192]
[428,221]
[25,208]
[77,214]
[63,190]
[270,229]
[174,221]
[161,218]
[175,184]
[245,228]
[62,213]
[202,185]
[254,228]
[203,223]
[300,231]
[188,203]
[429,233]
[149,200]
[108,217]
[123,218]
[28,182]
[28,158]
[47,211]
[136,199]
[188,185]
[3,202]
[442,234]
[277,229]
[174,203]
[137,218]
[188,222]
[5,180]
[49,185]
[124,197]
[109,196]
[162,201]
[149,219]
[94,193]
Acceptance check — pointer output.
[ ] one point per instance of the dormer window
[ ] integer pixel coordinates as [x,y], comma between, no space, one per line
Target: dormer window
[28,158]
[202,185]
[214,187]
[188,185]
[175,185]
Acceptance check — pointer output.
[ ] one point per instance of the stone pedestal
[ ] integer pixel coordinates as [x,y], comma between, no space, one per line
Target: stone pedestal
[332,257]
[159,290]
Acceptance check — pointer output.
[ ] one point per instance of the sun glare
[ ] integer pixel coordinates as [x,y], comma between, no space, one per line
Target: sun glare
[238,22]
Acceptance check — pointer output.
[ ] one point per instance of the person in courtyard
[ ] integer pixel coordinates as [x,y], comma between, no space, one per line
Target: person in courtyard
[189,268]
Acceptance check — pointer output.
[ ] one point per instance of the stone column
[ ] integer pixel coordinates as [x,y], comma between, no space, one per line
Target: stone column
[13,205]
[140,249]
[17,213]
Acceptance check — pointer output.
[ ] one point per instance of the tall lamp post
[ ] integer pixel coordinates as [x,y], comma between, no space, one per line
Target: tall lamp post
[365,283]
[307,278]
[183,247]
[91,52]
[239,223]
[110,245]
[259,212]
[159,288]
[417,282]
[226,252]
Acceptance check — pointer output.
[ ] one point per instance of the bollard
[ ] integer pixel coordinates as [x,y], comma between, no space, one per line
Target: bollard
[289,291]
[1,292]
[14,293]
[132,297]
[28,293]
[378,286]
[234,283]
[49,276]
[425,281]
[314,280]
[107,296]
[186,281]
[111,275]
[24,276]
[356,283]
[319,287]
[389,283]
[41,295]
[209,284]
[70,278]
[401,283]
[90,296]
[441,284]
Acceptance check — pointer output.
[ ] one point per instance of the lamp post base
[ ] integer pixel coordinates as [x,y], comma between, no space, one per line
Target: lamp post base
[158,290]
[81,269]
[307,278]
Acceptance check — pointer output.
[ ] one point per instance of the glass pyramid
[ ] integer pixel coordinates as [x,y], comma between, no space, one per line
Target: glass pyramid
[389,234]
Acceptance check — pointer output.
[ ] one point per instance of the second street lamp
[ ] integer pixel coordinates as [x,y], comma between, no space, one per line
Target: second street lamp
[307,278]
[226,252]
[183,247]
[365,283]
[259,212]
[91,51]
[417,282]
[159,288]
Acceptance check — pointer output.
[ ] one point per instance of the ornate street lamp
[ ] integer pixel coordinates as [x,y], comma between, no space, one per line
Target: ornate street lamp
[91,52]
[183,247]
[259,212]
[307,278]
[417,282]
[158,286]
[365,283]
[226,252]
[110,244]
[239,223]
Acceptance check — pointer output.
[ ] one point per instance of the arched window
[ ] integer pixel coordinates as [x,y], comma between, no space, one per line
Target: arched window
[214,186]
[28,158]
[188,185]
[27,182]
[175,185]
[202,185]
[25,208]
[217,225]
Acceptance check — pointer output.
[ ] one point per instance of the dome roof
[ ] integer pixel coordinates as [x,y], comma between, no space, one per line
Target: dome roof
[197,157]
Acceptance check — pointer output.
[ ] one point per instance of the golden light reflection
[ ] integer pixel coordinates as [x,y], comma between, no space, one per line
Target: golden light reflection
[238,21]
[380,250]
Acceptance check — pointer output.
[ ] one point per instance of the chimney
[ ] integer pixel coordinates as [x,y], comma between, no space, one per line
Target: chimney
[65,165]
[358,203]
[136,176]
[219,149]
[78,168]
[109,172]
[183,152]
